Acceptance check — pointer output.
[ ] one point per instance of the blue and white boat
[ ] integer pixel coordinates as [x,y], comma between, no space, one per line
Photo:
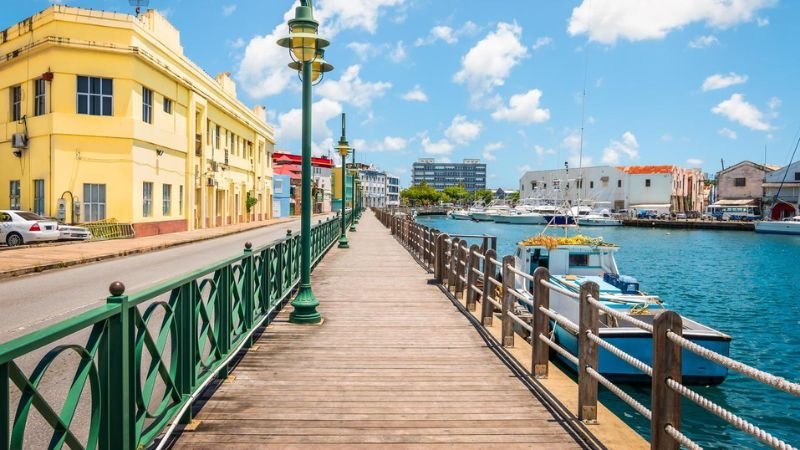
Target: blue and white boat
[579,260]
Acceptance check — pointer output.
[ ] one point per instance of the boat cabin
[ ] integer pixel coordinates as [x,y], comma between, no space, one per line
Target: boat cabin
[568,259]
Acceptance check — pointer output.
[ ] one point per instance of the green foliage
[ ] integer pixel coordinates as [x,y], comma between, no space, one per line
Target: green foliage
[250,202]
[456,193]
[482,195]
[512,197]
[421,194]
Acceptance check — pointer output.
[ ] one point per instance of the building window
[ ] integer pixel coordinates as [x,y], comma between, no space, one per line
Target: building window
[619,183]
[647,182]
[740,182]
[166,199]
[38,197]
[13,188]
[217,136]
[95,96]
[94,202]
[797,176]
[147,199]
[591,185]
[167,105]
[147,105]
[180,199]
[15,100]
[40,97]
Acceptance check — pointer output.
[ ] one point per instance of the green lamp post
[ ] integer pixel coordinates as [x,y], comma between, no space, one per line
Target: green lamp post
[305,48]
[353,185]
[343,148]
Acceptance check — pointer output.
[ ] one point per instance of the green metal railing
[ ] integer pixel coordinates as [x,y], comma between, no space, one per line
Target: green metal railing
[148,354]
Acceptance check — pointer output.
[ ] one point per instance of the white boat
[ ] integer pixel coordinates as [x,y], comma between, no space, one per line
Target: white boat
[460,214]
[602,218]
[491,211]
[525,218]
[785,226]
[572,261]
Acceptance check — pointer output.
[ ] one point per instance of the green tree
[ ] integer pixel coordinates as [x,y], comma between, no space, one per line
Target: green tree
[456,193]
[512,197]
[483,195]
[421,194]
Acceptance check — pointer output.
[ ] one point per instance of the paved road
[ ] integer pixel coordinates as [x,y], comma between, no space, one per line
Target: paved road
[33,301]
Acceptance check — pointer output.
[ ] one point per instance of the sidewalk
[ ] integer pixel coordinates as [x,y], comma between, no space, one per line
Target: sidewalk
[15,262]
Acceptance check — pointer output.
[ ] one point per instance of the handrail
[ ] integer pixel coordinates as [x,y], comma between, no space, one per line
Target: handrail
[484,266]
[208,316]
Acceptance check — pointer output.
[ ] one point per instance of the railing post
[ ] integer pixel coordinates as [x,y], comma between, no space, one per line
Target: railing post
[222,314]
[541,323]
[507,301]
[487,309]
[248,296]
[451,273]
[587,353]
[461,266]
[666,403]
[474,263]
[439,257]
[117,375]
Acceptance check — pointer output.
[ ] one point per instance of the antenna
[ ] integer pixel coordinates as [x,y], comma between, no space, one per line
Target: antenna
[138,5]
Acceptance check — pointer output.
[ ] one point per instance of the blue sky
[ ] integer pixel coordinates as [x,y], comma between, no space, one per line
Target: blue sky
[686,82]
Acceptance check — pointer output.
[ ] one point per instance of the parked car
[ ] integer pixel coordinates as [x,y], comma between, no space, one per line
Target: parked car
[681,216]
[22,227]
[73,233]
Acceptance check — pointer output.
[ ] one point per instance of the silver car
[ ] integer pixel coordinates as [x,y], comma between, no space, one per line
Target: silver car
[73,233]
[23,227]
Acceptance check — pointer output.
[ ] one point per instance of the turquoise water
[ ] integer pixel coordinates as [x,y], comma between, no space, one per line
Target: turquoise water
[741,283]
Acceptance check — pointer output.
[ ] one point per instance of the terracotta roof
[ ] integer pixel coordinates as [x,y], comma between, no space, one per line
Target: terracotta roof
[281,157]
[634,170]
[292,171]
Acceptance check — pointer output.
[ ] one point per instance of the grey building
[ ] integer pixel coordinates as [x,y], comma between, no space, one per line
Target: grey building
[392,190]
[471,174]
[374,185]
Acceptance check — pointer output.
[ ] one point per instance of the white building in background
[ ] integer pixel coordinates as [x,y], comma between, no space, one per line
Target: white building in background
[662,188]
[375,188]
[321,179]
[392,190]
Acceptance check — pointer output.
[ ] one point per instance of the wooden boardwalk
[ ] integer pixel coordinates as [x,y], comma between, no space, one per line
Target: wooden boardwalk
[395,365]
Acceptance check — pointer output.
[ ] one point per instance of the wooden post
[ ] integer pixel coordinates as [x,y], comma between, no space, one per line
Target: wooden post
[487,309]
[439,257]
[666,403]
[474,263]
[461,267]
[451,274]
[508,301]
[587,353]
[541,323]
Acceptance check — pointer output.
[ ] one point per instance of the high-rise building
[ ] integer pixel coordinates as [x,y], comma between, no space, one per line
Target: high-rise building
[471,173]
[103,117]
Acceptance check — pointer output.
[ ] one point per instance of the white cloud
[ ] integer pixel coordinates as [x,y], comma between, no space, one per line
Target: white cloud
[762,21]
[541,151]
[415,95]
[363,50]
[490,149]
[628,146]
[719,81]
[543,41]
[489,62]
[774,103]
[388,144]
[262,71]
[666,137]
[440,147]
[227,10]
[394,143]
[606,21]
[290,124]
[237,43]
[736,109]
[694,162]
[575,160]
[572,141]
[524,168]
[398,53]
[446,34]
[727,132]
[351,89]
[703,41]
[523,108]
[462,131]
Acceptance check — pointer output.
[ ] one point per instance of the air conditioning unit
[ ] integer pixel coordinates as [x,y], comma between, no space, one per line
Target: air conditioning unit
[211,182]
[214,167]
[19,140]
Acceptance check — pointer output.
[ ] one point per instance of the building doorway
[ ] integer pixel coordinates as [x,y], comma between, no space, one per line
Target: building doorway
[783,210]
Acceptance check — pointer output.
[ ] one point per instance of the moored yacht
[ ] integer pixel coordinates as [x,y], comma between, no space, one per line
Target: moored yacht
[599,217]
[575,260]
[460,214]
[785,226]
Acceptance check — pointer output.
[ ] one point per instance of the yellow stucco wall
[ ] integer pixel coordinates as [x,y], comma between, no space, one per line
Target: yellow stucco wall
[67,149]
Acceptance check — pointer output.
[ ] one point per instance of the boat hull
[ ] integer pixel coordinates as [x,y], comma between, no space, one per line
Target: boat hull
[502,218]
[589,222]
[560,220]
[481,217]
[778,227]
[694,369]
[455,216]
[527,219]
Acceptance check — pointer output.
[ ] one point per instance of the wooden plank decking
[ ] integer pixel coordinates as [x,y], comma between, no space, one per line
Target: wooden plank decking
[395,365]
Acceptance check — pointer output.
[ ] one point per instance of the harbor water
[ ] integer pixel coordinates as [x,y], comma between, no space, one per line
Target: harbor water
[741,283]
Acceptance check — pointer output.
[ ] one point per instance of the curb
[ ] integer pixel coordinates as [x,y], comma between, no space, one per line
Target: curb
[64,264]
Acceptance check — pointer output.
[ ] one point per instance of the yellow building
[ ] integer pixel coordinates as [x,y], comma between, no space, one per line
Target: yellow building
[104,111]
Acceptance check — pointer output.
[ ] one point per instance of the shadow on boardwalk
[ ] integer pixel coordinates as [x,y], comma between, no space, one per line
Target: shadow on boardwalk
[395,364]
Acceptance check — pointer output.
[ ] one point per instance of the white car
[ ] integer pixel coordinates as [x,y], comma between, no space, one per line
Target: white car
[73,233]
[22,227]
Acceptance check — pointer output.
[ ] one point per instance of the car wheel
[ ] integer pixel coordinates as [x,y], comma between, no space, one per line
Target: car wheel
[14,239]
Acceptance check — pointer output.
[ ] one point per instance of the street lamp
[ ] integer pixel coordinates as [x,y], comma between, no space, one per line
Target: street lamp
[353,184]
[343,148]
[305,48]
